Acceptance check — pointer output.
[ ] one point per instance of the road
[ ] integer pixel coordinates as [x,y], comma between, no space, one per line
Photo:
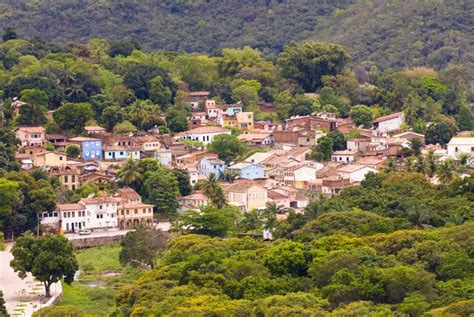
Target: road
[22,297]
[112,232]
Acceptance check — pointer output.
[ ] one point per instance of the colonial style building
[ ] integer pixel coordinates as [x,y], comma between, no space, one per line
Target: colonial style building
[131,210]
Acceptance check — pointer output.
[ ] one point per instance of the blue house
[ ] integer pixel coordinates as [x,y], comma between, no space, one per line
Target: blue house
[233,110]
[91,148]
[209,165]
[248,170]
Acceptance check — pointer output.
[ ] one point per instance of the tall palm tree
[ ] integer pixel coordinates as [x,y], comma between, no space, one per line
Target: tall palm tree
[445,171]
[410,164]
[420,166]
[431,163]
[214,191]
[228,175]
[390,165]
[130,172]
[270,216]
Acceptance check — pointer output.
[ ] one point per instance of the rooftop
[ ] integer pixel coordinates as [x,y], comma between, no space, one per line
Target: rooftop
[388,117]
[31,129]
[461,141]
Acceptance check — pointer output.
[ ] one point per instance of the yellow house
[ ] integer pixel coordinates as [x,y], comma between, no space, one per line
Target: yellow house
[245,120]
[229,122]
[50,159]
[131,211]
[246,195]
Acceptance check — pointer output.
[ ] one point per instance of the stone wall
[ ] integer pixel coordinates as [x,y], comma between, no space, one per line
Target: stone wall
[95,241]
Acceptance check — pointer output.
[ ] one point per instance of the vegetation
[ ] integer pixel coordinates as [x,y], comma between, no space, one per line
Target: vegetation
[421,33]
[48,258]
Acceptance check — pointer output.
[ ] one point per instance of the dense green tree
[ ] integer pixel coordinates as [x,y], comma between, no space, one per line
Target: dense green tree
[159,93]
[3,308]
[361,115]
[162,190]
[209,220]
[286,257]
[177,120]
[182,176]
[9,34]
[48,258]
[111,116]
[324,149]
[465,119]
[439,133]
[130,173]
[124,48]
[73,116]
[139,78]
[124,127]
[8,198]
[142,245]
[338,139]
[309,62]
[73,150]
[227,146]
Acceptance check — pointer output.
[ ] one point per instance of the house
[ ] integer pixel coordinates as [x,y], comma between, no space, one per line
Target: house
[165,157]
[202,134]
[69,176]
[66,217]
[210,165]
[257,139]
[193,201]
[58,140]
[458,145]
[194,97]
[100,179]
[305,175]
[246,195]
[147,143]
[333,185]
[259,157]
[88,213]
[101,211]
[346,156]
[213,111]
[31,136]
[197,119]
[300,137]
[91,148]
[116,152]
[50,159]
[232,110]
[312,123]
[389,123]
[248,170]
[358,144]
[228,122]
[244,120]
[410,136]
[94,129]
[131,210]
[355,173]
[192,159]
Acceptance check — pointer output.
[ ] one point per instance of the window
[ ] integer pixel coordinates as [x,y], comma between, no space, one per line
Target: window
[65,178]
[97,143]
[136,211]
[456,149]
[60,158]
[73,214]
[73,178]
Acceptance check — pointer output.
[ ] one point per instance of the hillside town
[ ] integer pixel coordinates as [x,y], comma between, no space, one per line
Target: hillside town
[280,168]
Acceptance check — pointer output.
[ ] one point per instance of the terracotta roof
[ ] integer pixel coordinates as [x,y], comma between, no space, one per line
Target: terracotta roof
[196,196]
[349,168]
[68,207]
[253,136]
[241,186]
[204,130]
[93,128]
[345,152]
[388,117]
[55,136]
[198,93]
[127,193]
[276,195]
[136,205]
[31,129]
[81,139]
[99,200]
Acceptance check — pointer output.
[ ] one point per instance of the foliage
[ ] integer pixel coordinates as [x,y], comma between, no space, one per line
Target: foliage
[141,245]
[361,115]
[73,150]
[227,146]
[309,62]
[48,258]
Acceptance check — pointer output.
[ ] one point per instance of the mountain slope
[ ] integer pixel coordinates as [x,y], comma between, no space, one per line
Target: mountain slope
[390,33]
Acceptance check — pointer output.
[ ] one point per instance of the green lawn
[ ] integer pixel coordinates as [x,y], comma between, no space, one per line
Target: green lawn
[95,293]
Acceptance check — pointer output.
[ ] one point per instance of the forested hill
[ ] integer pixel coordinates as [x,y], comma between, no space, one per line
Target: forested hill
[390,33]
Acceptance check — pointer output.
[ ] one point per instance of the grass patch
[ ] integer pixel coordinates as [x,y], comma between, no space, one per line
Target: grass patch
[98,300]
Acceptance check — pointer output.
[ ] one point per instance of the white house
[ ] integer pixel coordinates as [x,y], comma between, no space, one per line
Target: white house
[459,145]
[101,211]
[389,123]
[202,134]
[345,157]
[355,173]
[165,157]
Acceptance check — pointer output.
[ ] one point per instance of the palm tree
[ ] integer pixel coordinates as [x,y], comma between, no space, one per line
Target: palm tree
[409,165]
[445,171]
[431,163]
[228,175]
[390,165]
[420,166]
[67,77]
[130,172]
[269,216]
[214,191]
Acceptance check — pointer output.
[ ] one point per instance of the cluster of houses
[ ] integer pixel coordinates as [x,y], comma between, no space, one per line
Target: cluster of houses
[279,171]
